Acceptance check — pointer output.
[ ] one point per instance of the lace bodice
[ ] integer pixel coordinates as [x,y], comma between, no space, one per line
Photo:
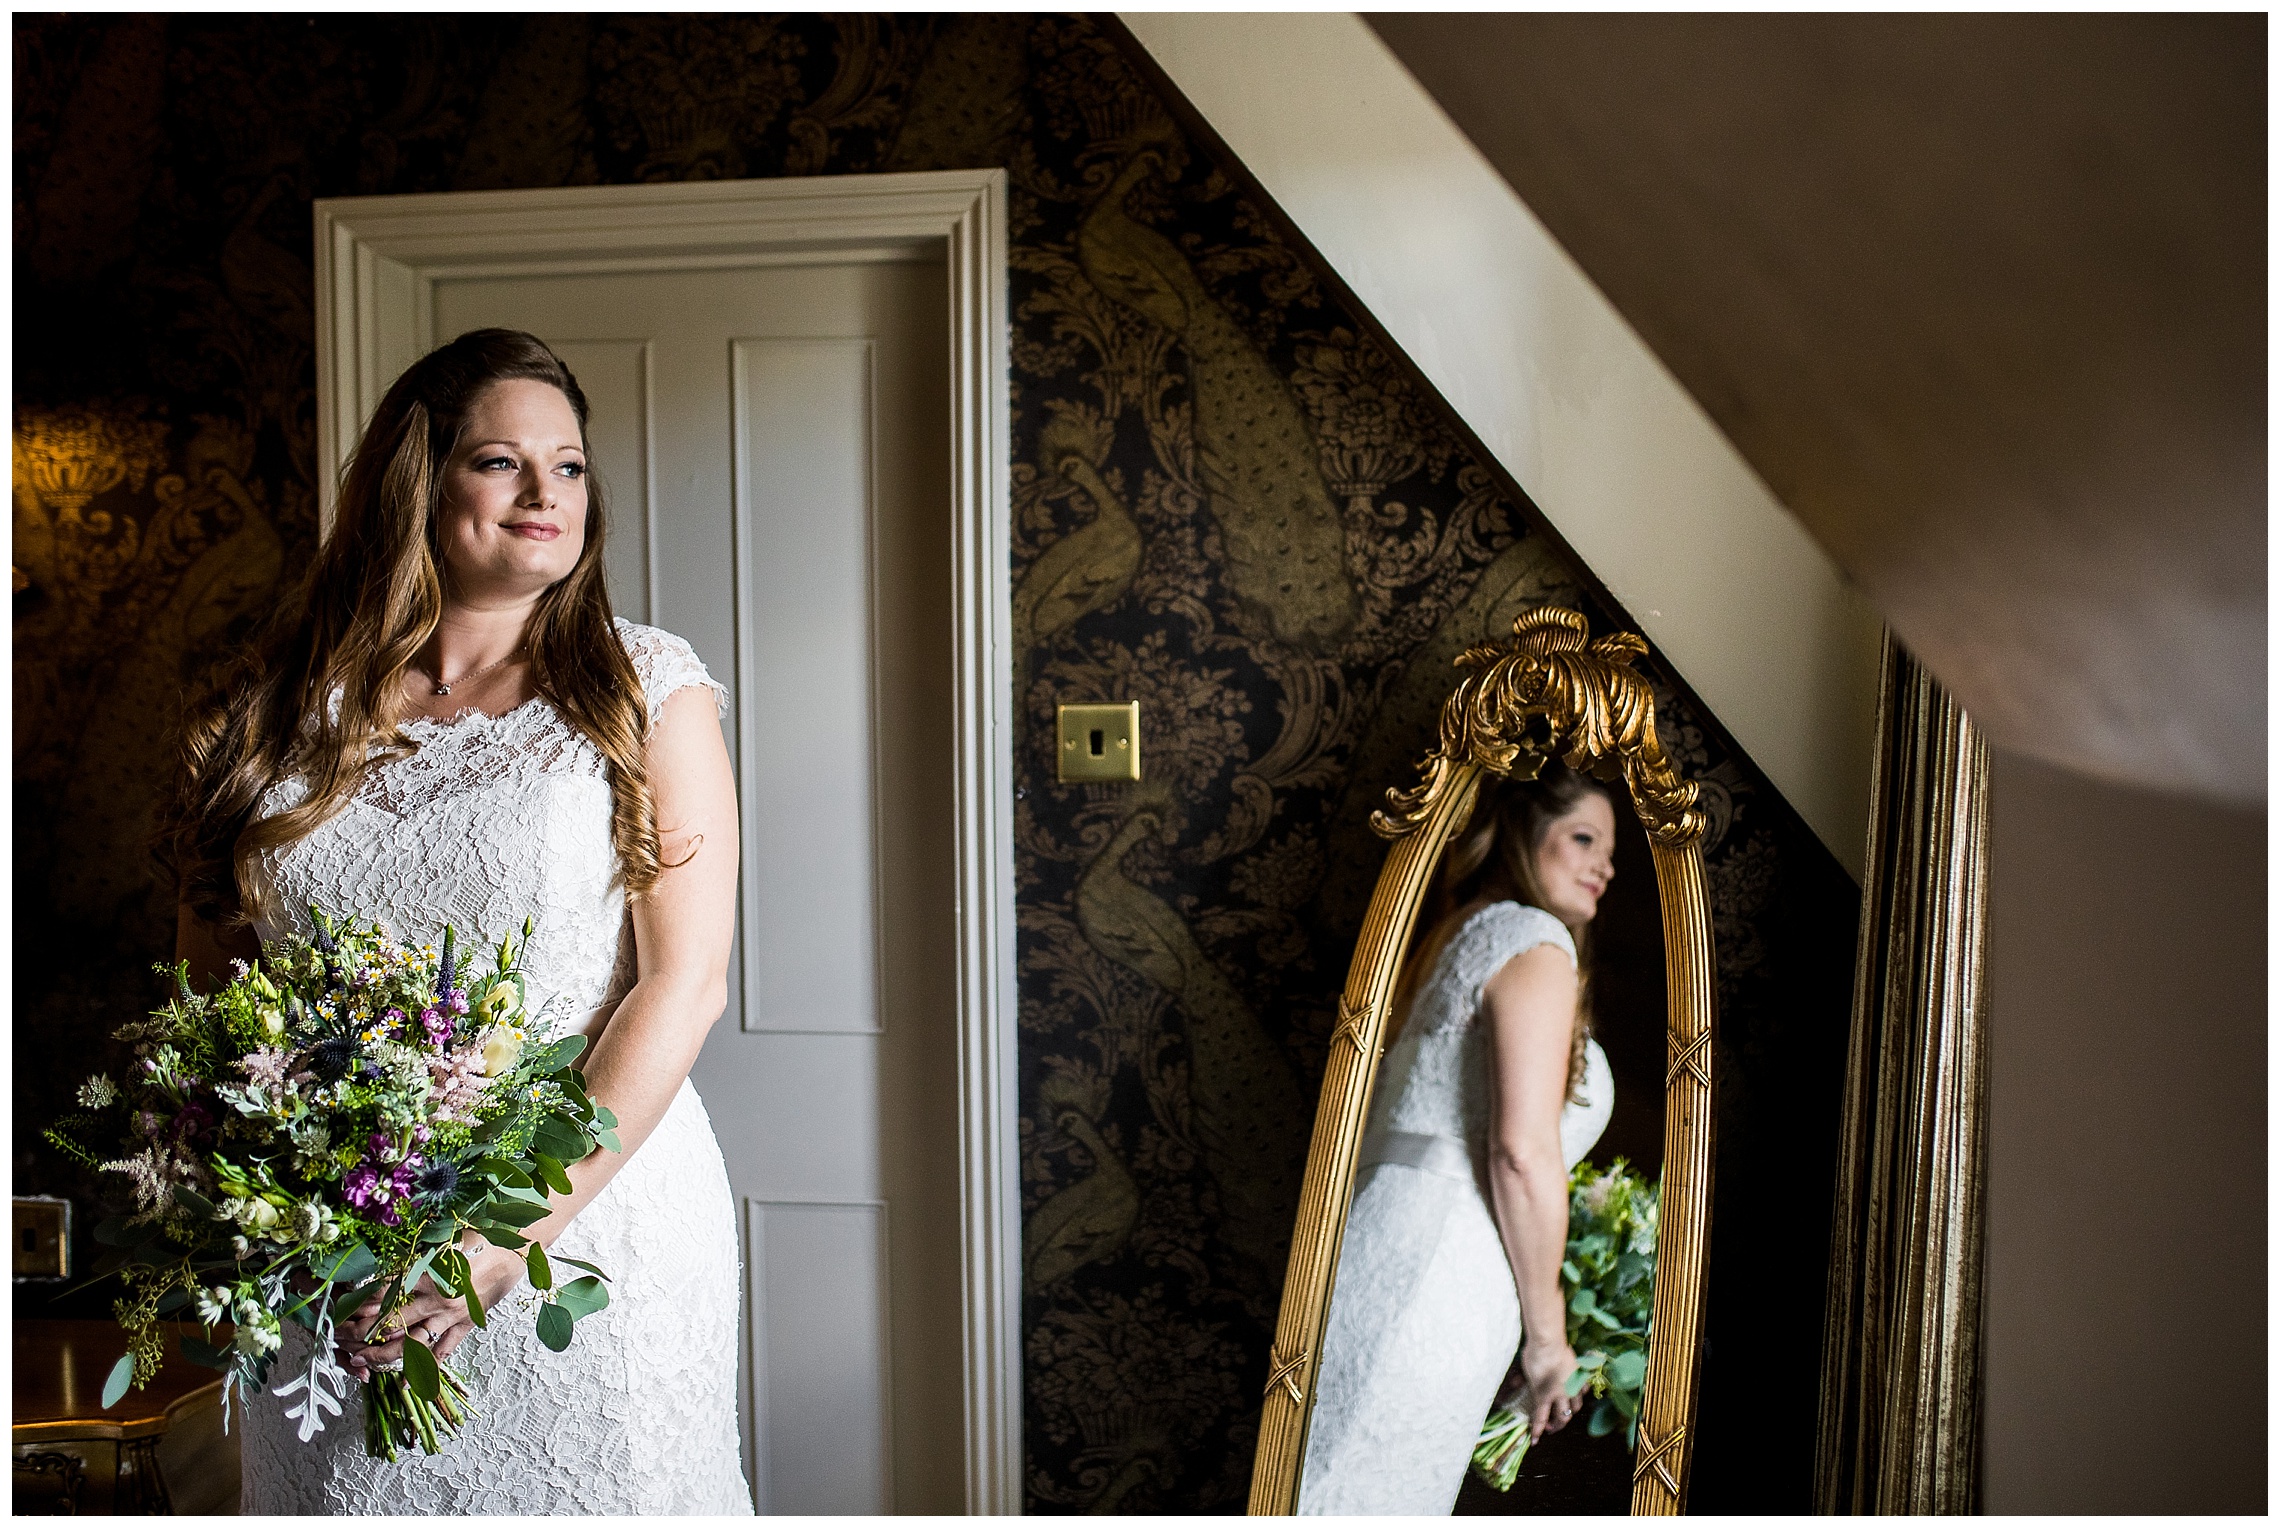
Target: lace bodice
[1435,1080]
[493,819]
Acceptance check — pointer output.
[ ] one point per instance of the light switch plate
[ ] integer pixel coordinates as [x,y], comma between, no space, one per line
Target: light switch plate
[1099,742]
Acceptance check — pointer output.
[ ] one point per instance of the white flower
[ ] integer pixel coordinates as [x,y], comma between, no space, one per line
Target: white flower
[257,1215]
[258,1331]
[313,1222]
[240,1248]
[502,1048]
[213,1304]
[501,1002]
[97,1092]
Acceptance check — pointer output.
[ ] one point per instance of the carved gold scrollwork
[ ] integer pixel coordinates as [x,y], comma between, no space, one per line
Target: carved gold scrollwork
[1547,685]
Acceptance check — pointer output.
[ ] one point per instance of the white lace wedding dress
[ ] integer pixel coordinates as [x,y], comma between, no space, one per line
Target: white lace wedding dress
[492,820]
[1424,1318]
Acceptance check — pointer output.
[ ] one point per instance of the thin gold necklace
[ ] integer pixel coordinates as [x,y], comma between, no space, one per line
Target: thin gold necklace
[445,689]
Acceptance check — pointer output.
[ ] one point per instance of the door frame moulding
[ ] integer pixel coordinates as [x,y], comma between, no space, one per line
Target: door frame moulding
[377,262]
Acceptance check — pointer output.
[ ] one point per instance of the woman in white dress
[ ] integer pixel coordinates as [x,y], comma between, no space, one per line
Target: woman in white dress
[449,726]
[1491,1092]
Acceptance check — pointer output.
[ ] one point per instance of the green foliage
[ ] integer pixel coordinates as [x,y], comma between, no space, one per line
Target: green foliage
[1608,1279]
[319,1134]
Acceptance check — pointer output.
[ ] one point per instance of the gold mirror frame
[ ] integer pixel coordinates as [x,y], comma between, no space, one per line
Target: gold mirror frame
[1549,690]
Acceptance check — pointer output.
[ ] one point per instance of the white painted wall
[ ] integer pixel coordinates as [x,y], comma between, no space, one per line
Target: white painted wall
[1617,455]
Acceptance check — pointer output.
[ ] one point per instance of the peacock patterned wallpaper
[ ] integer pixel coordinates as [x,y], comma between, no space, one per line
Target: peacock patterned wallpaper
[1232,506]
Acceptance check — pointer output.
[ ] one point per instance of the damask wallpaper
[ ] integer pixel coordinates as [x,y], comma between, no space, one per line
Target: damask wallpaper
[1232,506]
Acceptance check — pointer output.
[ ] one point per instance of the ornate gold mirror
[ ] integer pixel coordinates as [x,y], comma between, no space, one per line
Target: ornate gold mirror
[1547,693]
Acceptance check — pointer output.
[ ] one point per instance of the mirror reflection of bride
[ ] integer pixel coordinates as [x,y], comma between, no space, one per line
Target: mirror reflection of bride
[1491,1092]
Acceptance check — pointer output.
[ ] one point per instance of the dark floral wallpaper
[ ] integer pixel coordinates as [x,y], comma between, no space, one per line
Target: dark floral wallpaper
[1232,506]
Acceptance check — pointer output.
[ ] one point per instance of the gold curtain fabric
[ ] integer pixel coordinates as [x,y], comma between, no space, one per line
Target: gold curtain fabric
[1899,1427]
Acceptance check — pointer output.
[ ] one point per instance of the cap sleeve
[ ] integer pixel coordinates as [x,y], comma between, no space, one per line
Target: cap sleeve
[667,665]
[1498,932]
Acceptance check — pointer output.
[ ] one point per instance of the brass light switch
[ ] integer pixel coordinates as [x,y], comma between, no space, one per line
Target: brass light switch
[1100,742]
[43,1238]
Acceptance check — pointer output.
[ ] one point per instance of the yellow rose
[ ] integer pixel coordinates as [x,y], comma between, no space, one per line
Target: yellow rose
[502,1048]
[503,999]
[273,1023]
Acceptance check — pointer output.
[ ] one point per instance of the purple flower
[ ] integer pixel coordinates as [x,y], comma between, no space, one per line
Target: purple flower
[362,1186]
[455,1000]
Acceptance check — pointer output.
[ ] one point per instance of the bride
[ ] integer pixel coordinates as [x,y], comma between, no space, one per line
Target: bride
[1491,1093]
[449,727]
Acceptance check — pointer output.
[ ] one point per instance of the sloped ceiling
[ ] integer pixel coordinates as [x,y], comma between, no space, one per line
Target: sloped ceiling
[1982,298]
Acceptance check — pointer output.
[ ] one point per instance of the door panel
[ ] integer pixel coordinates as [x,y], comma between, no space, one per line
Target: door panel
[775,443]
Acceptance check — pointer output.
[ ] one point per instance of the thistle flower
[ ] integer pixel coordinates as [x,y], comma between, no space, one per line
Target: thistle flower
[437,1181]
[331,1059]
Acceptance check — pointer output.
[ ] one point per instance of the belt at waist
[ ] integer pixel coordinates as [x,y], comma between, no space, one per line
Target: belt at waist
[1440,1155]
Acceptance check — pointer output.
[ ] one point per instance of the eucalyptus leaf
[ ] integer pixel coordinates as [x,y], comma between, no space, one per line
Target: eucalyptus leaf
[503,1236]
[1627,1371]
[564,1143]
[583,1297]
[352,1264]
[551,1171]
[541,1273]
[505,1171]
[1604,1420]
[193,1201]
[517,1212]
[122,1374]
[420,1370]
[579,1262]
[554,1327]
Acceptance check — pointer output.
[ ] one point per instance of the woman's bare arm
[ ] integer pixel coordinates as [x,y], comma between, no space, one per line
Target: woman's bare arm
[1529,1009]
[681,932]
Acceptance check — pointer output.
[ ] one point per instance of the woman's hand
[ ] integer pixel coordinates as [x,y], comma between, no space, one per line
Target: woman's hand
[1548,1366]
[430,1316]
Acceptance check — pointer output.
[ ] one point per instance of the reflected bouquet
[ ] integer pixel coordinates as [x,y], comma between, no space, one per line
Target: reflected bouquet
[1608,1278]
[319,1134]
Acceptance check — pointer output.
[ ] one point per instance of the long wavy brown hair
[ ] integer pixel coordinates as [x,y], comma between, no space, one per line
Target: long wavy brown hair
[320,693]
[1494,860]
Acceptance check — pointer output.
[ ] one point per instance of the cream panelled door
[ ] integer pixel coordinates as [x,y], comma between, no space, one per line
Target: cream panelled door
[774,444]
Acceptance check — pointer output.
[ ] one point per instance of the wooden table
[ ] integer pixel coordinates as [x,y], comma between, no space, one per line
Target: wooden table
[71,1451]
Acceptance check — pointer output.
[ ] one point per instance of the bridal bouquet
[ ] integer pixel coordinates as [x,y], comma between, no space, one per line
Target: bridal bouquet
[1608,1278]
[319,1134]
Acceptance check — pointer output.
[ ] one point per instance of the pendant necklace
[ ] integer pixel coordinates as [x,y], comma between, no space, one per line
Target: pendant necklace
[444,689]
